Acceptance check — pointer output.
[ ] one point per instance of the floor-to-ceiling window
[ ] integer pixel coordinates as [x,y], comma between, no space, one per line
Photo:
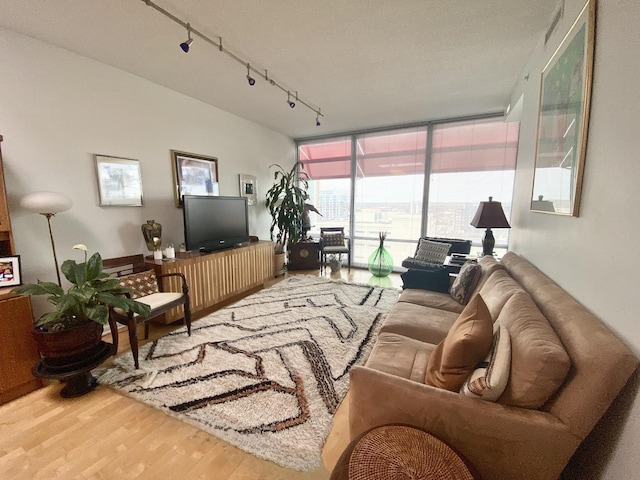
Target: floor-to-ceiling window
[328,165]
[375,181]
[389,184]
[470,161]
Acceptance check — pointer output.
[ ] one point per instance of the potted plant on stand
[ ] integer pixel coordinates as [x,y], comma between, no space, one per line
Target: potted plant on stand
[69,337]
[286,201]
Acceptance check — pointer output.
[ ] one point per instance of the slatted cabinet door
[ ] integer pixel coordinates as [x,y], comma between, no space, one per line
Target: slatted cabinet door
[218,276]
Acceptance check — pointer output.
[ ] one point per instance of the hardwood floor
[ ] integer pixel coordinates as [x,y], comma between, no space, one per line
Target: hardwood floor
[104,435]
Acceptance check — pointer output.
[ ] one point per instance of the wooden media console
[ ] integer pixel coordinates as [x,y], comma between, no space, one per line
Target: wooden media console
[217,277]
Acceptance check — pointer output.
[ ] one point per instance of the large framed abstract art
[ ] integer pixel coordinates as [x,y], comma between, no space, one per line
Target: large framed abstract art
[563,119]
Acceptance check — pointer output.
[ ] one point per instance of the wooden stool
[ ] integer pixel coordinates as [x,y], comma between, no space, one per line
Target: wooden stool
[394,452]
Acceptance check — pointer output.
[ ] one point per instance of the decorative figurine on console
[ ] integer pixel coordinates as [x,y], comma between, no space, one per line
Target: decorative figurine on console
[152,233]
[306,221]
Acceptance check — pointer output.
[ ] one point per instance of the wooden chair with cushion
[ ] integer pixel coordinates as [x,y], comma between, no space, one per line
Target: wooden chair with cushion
[333,241]
[146,287]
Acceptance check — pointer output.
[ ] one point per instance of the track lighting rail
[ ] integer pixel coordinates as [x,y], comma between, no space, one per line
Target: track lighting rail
[193,32]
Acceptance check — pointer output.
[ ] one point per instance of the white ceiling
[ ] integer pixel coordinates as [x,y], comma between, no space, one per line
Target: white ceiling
[365,63]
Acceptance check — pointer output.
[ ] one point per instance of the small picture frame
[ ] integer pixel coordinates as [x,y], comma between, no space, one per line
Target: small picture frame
[119,181]
[248,188]
[10,273]
[194,175]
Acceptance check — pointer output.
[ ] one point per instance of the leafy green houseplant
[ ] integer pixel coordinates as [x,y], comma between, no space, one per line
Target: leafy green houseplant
[286,201]
[88,299]
[83,309]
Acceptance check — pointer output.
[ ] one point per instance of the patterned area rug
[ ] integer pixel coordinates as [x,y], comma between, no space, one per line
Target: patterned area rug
[267,373]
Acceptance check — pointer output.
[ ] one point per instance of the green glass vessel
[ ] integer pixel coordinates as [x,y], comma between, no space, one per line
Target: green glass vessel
[380,262]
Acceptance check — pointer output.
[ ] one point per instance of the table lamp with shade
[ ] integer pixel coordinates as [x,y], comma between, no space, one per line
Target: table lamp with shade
[47,204]
[489,215]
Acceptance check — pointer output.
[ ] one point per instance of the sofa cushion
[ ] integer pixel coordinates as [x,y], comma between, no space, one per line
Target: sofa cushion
[539,362]
[434,280]
[465,282]
[420,323]
[400,356]
[497,289]
[426,298]
[466,345]
[489,380]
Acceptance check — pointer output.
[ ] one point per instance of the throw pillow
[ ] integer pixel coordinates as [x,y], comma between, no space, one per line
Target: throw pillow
[432,252]
[489,380]
[465,282]
[333,239]
[141,284]
[464,347]
[434,280]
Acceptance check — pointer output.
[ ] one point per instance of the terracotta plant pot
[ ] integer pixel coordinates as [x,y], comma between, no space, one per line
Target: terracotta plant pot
[66,348]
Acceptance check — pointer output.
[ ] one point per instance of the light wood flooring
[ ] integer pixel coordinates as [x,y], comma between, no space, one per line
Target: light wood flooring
[104,435]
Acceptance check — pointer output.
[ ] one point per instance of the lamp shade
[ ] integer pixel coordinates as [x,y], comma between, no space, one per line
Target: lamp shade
[542,205]
[46,202]
[490,215]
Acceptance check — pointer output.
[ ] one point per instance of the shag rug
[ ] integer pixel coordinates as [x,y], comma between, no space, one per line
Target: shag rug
[267,373]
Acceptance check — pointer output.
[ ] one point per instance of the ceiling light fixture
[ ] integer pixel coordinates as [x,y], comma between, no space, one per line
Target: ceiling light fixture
[250,79]
[218,44]
[185,45]
[291,103]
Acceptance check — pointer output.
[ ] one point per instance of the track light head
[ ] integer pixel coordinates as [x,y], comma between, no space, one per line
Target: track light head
[291,103]
[185,45]
[250,79]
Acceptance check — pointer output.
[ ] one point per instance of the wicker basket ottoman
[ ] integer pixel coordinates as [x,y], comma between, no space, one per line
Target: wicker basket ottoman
[394,452]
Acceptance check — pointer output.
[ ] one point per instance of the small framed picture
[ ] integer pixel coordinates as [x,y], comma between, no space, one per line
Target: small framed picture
[248,188]
[119,181]
[10,274]
[194,175]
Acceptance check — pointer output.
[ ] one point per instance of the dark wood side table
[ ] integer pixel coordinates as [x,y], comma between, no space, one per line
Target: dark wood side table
[304,256]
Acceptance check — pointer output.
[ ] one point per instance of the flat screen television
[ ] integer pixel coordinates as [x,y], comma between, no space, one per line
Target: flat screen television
[214,223]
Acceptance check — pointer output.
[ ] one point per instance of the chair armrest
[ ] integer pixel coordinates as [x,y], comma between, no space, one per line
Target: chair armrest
[499,440]
[185,285]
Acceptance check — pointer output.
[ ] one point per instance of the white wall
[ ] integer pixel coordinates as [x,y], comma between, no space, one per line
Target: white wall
[594,257]
[57,109]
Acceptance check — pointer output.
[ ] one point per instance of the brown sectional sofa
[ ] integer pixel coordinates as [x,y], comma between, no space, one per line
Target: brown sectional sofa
[566,369]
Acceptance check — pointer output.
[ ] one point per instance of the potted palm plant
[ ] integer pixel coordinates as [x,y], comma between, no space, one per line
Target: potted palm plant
[74,329]
[286,201]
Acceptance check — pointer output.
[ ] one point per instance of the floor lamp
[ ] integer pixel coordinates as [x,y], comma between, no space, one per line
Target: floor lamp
[47,204]
[489,215]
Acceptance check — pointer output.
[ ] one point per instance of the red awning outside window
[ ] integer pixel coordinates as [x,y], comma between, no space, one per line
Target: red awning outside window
[479,145]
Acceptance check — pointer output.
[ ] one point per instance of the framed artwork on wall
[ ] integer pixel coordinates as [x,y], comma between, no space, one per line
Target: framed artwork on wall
[119,181]
[10,273]
[563,120]
[194,175]
[248,188]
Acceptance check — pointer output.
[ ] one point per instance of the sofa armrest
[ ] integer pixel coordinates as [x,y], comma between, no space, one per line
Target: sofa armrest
[500,441]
